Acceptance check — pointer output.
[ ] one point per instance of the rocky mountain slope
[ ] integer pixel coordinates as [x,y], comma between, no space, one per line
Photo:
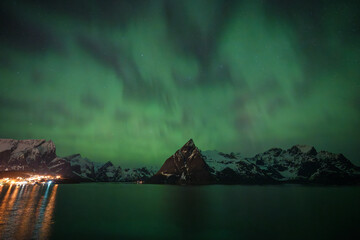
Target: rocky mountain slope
[189,165]
[39,156]
[299,164]
[186,166]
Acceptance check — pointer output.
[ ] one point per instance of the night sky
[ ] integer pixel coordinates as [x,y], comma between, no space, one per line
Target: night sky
[132,81]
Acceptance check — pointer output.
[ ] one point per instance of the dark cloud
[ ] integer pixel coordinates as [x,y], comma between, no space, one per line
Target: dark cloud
[119,60]
[115,58]
[191,38]
[183,80]
[243,122]
[315,22]
[103,51]
[187,117]
[222,74]
[121,115]
[273,105]
[269,84]
[214,75]
[213,56]
[302,89]
[240,101]
[110,12]
[356,103]
[55,110]
[90,100]
[13,103]
[38,77]
[22,33]
[5,62]
[58,109]
[34,113]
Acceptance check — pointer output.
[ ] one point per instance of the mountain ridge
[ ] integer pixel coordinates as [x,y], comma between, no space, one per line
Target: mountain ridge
[301,164]
[187,166]
[39,156]
[184,167]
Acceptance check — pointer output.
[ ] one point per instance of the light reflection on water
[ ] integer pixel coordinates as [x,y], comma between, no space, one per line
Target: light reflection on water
[141,211]
[26,211]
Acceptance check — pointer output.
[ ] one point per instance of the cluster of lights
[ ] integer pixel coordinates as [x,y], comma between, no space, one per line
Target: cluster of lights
[35,179]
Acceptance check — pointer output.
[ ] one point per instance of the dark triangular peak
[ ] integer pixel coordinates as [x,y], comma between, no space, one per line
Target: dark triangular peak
[189,145]
[187,150]
[302,149]
[186,166]
[178,162]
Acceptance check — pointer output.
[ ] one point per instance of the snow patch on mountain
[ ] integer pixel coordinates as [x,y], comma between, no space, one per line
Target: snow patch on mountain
[304,148]
[218,161]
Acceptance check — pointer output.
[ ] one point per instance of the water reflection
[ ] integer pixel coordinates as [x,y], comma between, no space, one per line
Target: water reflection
[26,211]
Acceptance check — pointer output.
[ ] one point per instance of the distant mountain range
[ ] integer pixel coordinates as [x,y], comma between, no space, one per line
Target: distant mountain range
[299,164]
[189,165]
[39,156]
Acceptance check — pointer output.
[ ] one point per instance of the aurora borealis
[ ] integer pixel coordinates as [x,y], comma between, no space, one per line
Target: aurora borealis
[131,81]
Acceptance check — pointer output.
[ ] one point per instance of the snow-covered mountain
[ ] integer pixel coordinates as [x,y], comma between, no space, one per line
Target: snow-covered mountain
[186,166]
[189,165]
[40,156]
[25,155]
[110,173]
[299,164]
[302,164]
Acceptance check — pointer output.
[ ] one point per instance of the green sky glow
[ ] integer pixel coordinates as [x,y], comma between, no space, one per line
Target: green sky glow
[132,81]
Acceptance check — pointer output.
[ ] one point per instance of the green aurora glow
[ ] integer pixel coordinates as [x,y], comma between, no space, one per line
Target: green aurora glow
[131,81]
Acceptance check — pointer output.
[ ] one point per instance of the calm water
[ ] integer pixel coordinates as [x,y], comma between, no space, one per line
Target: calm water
[129,211]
